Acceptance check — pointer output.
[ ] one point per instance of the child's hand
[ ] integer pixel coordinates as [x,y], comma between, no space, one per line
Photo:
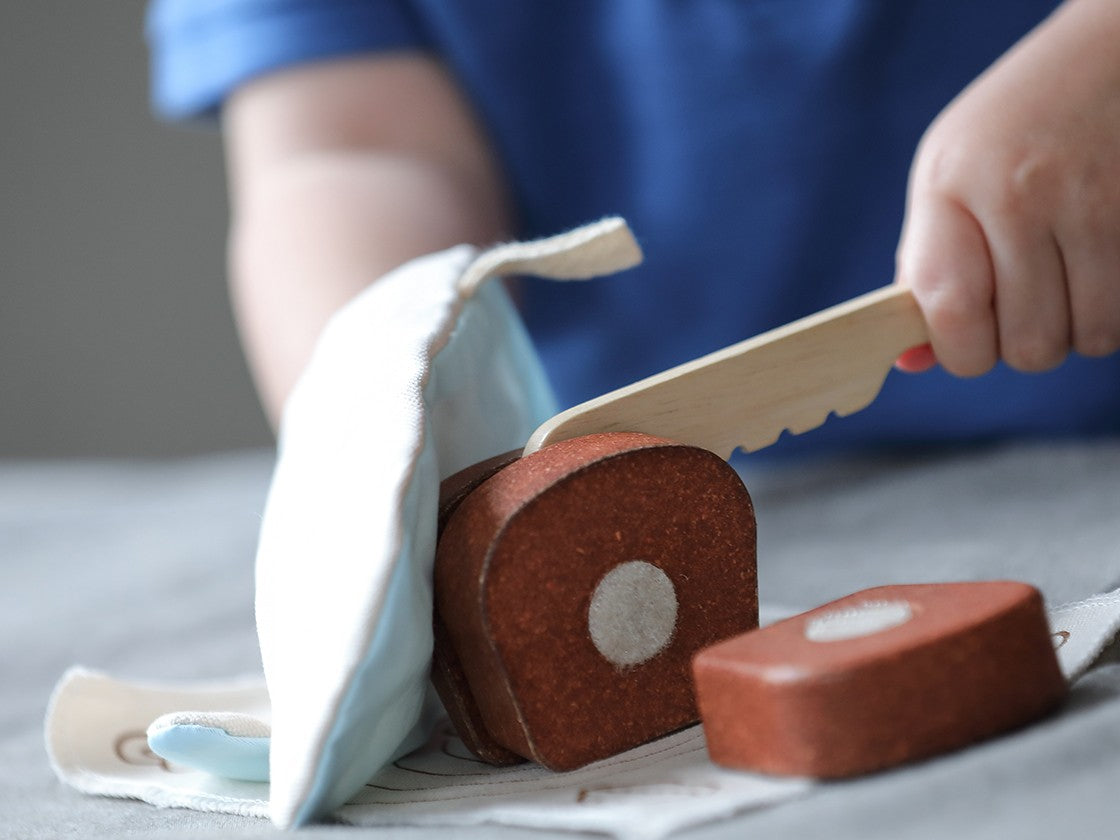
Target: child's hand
[1012,236]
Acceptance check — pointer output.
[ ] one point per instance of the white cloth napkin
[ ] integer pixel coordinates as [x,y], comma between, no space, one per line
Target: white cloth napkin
[96,740]
[1085,632]
[95,735]
[425,373]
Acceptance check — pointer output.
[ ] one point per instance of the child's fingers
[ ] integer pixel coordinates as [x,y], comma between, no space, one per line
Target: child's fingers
[1031,301]
[1092,257]
[943,258]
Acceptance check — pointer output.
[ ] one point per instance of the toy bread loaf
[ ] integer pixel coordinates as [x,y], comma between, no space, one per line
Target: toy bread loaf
[573,587]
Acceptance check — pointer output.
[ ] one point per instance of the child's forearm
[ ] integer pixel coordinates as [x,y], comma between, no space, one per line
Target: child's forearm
[325,201]
[318,233]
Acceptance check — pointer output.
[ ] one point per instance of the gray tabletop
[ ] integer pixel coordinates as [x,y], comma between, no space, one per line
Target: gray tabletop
[144,569]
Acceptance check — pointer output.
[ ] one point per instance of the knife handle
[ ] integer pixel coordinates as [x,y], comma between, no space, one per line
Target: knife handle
[790,378]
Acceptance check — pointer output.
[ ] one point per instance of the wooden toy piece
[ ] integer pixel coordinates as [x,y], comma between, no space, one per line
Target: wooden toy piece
[745,395]
[881,677]
[447,673]
[573,587]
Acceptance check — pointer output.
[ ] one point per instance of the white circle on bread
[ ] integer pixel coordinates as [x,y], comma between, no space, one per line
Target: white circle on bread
[633,613]
[857,621]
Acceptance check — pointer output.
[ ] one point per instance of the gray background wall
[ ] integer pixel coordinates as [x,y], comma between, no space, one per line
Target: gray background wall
[115,331]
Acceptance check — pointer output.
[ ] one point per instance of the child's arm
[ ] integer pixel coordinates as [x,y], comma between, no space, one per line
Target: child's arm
[1012,234]
[338,173]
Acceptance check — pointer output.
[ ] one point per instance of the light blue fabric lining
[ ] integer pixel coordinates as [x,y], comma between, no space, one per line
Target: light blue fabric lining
[485,393]
[213,750]
[486,388]
[377,720]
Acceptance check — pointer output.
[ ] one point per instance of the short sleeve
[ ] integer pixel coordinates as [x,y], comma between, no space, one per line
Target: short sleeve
[202,49]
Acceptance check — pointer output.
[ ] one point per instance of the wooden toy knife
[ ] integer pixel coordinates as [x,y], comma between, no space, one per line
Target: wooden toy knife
[745,395]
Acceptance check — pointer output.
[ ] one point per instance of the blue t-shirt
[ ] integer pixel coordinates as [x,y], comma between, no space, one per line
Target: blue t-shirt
[758,148]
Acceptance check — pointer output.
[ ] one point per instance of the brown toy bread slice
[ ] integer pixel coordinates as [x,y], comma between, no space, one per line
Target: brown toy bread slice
[447,672]
[878,678]
[573,587]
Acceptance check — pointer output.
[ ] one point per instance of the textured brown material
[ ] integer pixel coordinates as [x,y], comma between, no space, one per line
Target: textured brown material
[520,559]
[447,673]
[972,660]
[454,489]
